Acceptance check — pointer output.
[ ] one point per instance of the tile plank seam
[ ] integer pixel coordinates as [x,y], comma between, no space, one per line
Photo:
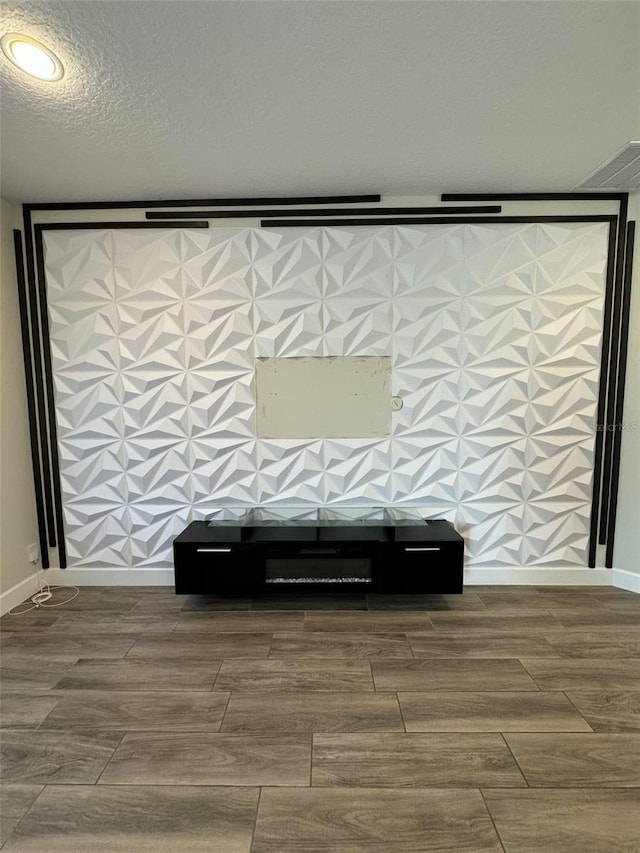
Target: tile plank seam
[117,747]
[493,823]
[565,693]
[515,760]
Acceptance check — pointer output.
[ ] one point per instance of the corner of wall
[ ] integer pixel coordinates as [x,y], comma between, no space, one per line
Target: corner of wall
[18,523]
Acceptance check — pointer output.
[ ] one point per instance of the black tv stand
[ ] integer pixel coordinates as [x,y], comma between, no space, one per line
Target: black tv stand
[250,552]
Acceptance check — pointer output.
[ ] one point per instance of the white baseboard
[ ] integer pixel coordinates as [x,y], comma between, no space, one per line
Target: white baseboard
[110,577]
[626,580]
[548,576]
[536,576]
[18,593]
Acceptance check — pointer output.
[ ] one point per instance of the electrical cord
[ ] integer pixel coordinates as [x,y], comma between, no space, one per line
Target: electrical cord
[44,595]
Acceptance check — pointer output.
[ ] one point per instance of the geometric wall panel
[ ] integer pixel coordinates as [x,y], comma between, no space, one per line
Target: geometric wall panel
[494,334]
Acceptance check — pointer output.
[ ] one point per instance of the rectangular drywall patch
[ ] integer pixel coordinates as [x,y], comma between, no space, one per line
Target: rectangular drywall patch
[336,397]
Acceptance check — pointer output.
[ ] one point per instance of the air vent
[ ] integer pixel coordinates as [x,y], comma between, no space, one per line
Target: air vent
[621,172]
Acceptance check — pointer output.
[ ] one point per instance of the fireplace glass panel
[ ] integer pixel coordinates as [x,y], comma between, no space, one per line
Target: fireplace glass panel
[318,570]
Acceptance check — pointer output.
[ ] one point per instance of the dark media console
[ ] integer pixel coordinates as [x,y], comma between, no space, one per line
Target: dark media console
[248,552]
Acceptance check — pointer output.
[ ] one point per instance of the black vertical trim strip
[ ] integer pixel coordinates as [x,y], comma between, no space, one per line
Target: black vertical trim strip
[602,396]
[31,403]
[609,423]
[619,413]
[40,422]
[51,405]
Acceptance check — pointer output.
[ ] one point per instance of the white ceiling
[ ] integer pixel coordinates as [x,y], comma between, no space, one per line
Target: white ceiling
[200,98]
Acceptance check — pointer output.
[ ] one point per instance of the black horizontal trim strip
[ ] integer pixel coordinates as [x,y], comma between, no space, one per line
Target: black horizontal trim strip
[434,220]
[84,226]
[576,196]
[358,211]
[201,202]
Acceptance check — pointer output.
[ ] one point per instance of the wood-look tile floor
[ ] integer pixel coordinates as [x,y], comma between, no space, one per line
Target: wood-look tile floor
[504,720]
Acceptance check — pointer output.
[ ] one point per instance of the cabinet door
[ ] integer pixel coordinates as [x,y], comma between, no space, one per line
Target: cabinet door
[217,567]
[416,568]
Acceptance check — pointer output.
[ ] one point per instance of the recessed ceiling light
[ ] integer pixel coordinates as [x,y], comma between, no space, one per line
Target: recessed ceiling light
[31,57]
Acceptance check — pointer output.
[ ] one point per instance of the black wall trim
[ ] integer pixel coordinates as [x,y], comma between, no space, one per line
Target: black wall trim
[40,423]
[602,396]
[332,211]
[206,202]
[616,306]
[612,370]
[51,405]
[97,226]
[573,196]
[619,411]
[31,404]
[434,220]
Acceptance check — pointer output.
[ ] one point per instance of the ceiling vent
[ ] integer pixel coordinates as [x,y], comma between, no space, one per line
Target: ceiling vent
[621,172]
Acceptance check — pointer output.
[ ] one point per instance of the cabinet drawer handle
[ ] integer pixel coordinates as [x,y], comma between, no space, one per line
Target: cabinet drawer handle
[422,549]
[214,550]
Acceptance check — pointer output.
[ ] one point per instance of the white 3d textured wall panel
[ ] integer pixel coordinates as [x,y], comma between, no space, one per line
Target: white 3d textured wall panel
[494,332]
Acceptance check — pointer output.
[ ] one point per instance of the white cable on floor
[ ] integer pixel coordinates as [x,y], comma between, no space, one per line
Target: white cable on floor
[43,595]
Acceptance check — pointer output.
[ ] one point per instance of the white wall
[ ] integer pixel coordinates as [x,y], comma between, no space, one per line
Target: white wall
[18,526]
[627,546]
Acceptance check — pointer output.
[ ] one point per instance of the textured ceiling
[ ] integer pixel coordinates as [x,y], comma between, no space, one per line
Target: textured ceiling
[193,99]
